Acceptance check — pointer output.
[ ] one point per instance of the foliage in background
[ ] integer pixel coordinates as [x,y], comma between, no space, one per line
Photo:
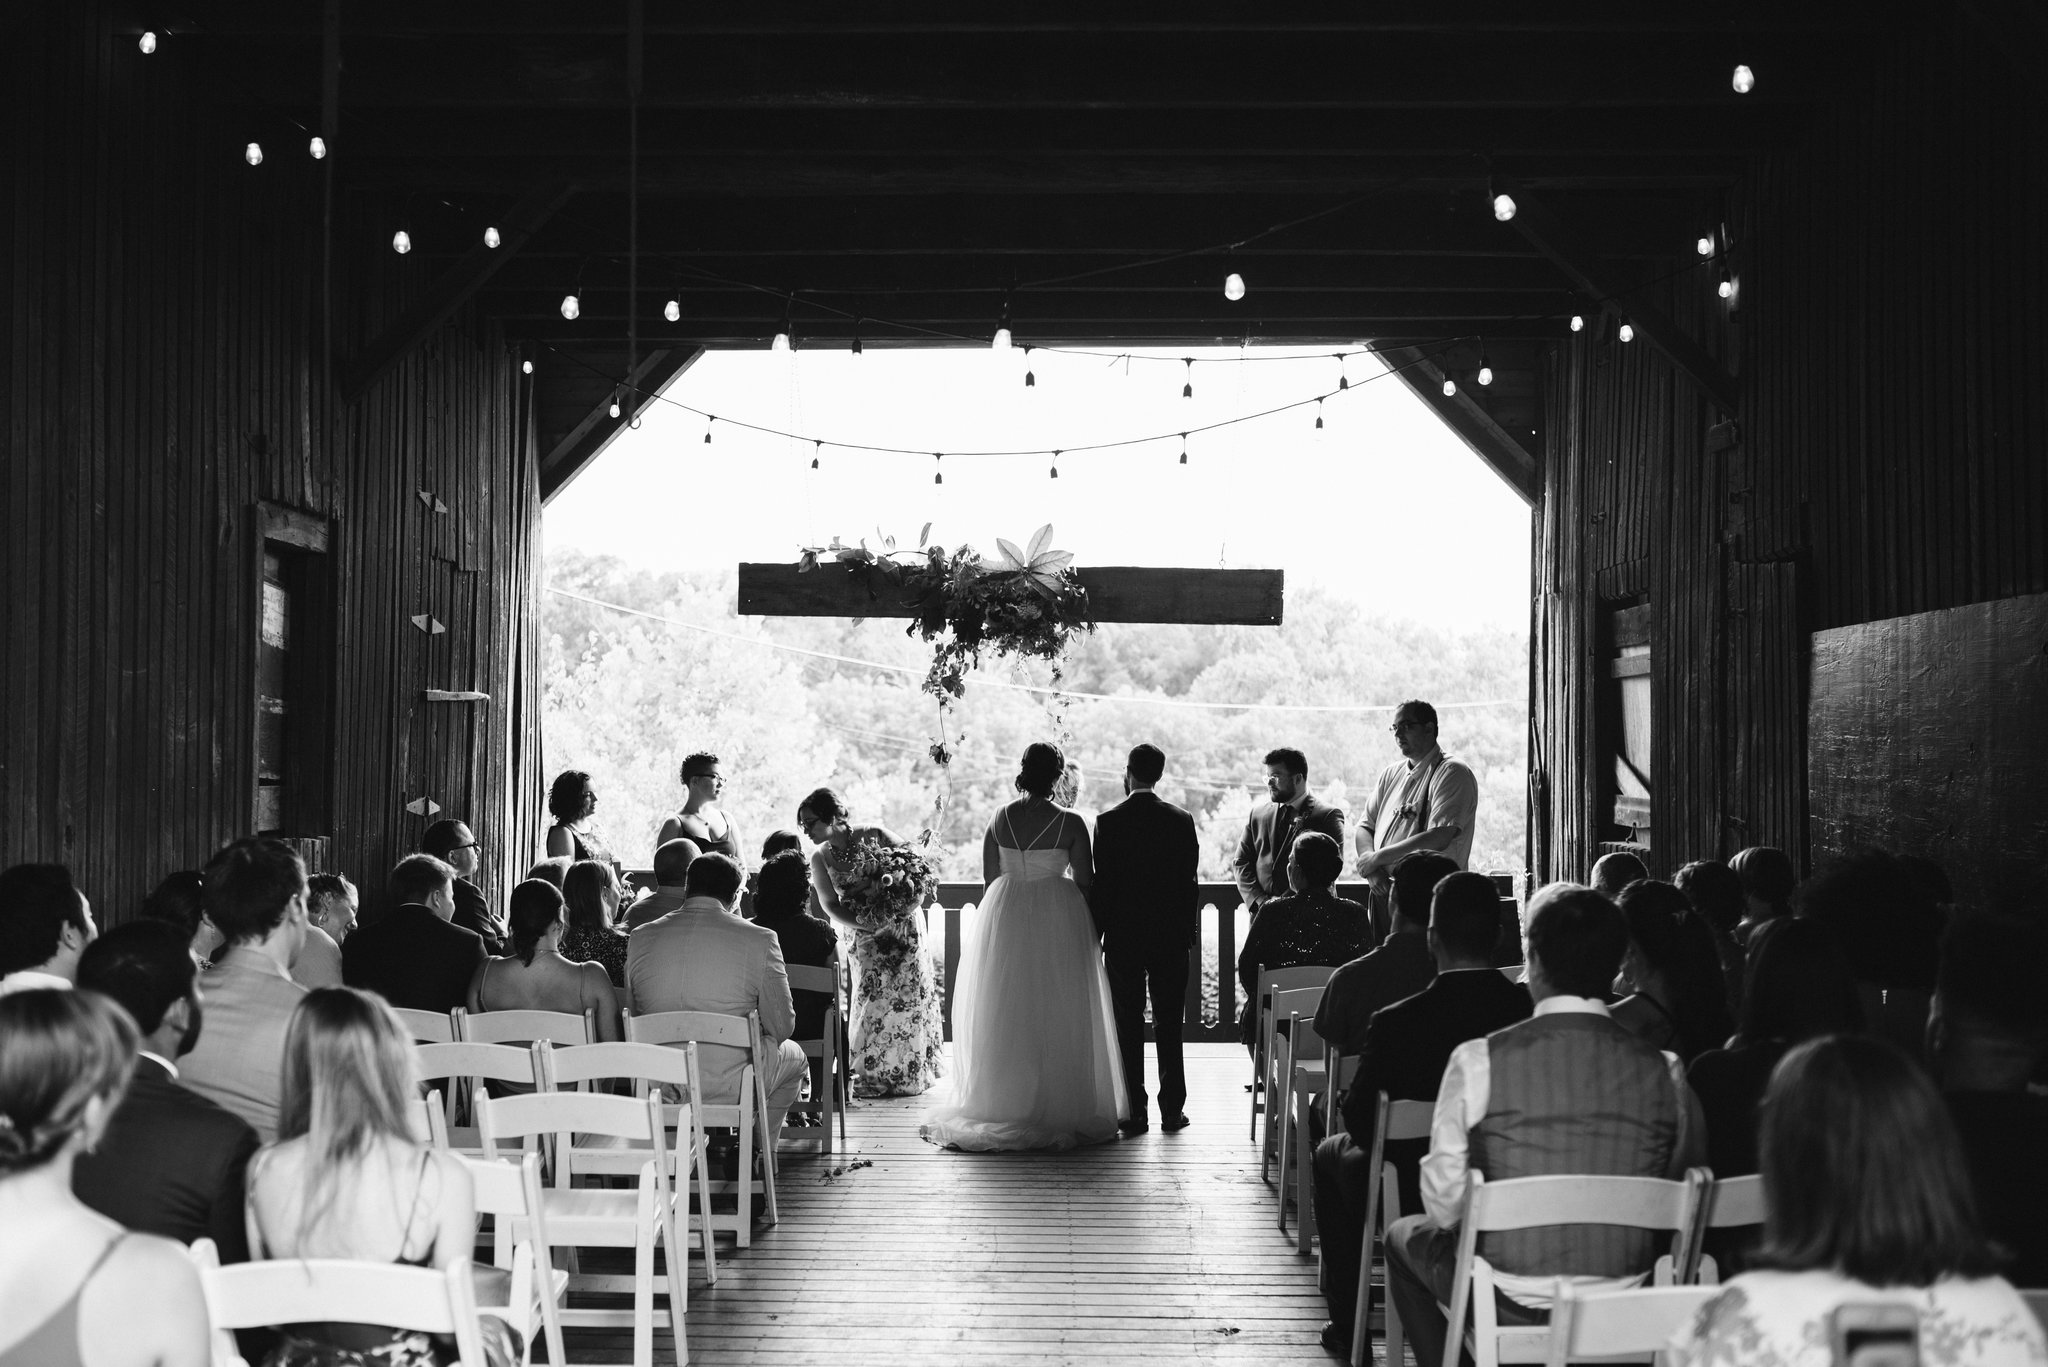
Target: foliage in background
[626,698]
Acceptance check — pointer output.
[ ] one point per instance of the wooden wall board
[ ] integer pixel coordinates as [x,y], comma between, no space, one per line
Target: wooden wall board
[1116,593]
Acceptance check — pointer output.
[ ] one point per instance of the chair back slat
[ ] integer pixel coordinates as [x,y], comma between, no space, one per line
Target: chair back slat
[689,1027]
[502,1118]
[500,1183]
[1732,1202]
[821,979]
[524,1027]
[615,1060]
[430,1119]
[311,1290]
[1408,1119]
[498,1062]
[1575,1199]
[1614,1323]
[430,1027]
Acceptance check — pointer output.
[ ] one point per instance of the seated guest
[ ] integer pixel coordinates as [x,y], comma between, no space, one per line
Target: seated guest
[1310,925]
[455,844]
[1716,897]
[1406,1047]
[346,1178]
[45,924]
[1890,932]
[181,900]
[671,863]
[592,893]
[1799,988]
[778,841]
[330,917]
[1613,872]
[170,1162]
[256,895]
[1988,1032]
[78,1290]
[1399,968]
[781,895]
[1677,1001]
[551,870]
[416,956]
[1869,1203]
[535,976]
[703,957]
[1768,882]
[1566,1091]
[775,844]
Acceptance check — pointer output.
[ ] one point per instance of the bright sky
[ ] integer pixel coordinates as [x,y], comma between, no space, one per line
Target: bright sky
[1386,505]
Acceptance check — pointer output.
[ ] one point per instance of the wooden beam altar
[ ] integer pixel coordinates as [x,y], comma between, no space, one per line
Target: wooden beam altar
[1116,593]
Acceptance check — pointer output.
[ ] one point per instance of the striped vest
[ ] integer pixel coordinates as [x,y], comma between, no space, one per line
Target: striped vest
[1575,1093]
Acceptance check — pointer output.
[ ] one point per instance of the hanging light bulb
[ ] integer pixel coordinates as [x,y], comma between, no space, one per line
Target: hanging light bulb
[708,420]
[817,449]
[317,148]
[1450,386]
[572,305]
[147,42]
[1319,415]
[673,310]
[526,367]
[1233,287]
[1503,207]
[1183,448]
[1055,465]
[1744,80]
[614,410]
[1485,375]
[1626,332]
[856,335]
[1726,289]
[1343,372]
[401,242]
[491,238]
[1001,341]
[1578,322]
[1187,391]
[938,476]
[1030,375]
[1705,245]
[781,342]
[253,154]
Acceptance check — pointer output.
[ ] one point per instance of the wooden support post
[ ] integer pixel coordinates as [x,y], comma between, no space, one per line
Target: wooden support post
[1503,453]
[1571,255]
[1116,593]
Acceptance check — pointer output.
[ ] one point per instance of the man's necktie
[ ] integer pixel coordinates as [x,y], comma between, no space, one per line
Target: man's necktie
[1283,831]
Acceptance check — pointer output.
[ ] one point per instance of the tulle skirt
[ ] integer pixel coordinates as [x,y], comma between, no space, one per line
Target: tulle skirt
[1035,1061]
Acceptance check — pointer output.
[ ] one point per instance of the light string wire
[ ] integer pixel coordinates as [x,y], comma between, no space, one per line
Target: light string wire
[993,682]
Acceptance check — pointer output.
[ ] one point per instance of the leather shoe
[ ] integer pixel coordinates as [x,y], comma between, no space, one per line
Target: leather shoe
[1177,1121]
[1337,1339]
[1134,1126]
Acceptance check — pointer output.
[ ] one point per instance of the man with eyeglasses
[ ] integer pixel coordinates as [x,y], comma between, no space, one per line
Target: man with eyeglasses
[454,842]
[1423,801]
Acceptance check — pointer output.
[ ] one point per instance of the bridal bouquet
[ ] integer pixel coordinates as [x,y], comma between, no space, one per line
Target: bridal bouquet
[884,883]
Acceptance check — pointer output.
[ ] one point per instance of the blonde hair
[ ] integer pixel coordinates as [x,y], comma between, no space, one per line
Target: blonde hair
[349,1081]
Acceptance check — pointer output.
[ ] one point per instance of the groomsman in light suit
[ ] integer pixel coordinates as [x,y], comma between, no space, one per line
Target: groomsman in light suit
[1269,834]
[1144,900]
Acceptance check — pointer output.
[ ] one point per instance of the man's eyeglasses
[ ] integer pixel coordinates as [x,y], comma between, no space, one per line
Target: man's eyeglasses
[1398,727]
[465,845]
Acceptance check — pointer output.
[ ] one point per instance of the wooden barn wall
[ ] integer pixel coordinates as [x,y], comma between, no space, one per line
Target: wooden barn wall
[1888,459]
[161,373]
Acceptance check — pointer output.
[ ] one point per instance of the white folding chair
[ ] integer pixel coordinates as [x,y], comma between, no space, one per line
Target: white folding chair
[430,1120]
[592,1217]
[1395,1120]
[1530,1202]
[646,1066]
[524,1027]
[1727,1203]
[510,1193]
[432,1027]
[747,1113]
[1302,1077]
[1340,1069]
[1264,1065]
[831,1100]
[1617,1325]
[255,1295]
[470,1066]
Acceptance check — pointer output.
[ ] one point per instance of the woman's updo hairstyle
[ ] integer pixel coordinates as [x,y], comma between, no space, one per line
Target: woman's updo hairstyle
[1321,861]
[536,908]
[63,1049]
[824,804]
[1041,769]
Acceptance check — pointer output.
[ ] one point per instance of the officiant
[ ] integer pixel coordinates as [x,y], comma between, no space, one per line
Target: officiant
[1423,801]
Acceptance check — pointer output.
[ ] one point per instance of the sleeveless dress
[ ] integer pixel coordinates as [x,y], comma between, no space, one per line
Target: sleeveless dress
[899,1021]
[1035,1061]
[54,1342]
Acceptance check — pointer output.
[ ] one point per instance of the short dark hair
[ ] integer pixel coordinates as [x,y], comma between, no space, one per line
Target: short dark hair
[1415,878]
[1464,911]
[1040,768]
[1992,968]
[250,886]
[533,907]
[1863,1173]
[672,861]
[779,841]
[1147,763]
[1290,759]
[420,876]
[565,794]
[145,965]
[824,804]
[1320,859]
[36,902]
[713,875]
[698,762]
[1714,892]
[1796,984]
[440,838]
[783,885]
[1767,875]
[179,900]
[1418,710]
[1615,870]
[1577,938]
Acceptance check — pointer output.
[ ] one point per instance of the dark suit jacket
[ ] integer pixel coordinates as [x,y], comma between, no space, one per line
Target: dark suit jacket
[1262,869]
[473,912]
[413,959]
[1144,895]
[171,1163]
[1408,1045]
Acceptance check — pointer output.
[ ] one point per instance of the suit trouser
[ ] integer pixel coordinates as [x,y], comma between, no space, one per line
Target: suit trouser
[1341,1168]
[1421,1266]
[1165,973]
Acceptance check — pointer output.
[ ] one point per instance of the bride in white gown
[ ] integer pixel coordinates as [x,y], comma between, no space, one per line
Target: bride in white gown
[1035,1062]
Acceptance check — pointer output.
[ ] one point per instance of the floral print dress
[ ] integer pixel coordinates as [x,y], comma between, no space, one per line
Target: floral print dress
[898,1013]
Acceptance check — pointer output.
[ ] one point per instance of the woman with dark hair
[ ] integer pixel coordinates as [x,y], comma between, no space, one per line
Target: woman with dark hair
[181,900]
[536,976]
[1310,925]
[1868,1203]
[348,1178]
[591,890]
[571,800]
[77,1290]
[1716,897]
[1035,1057]
[702,821]
[898,1027]
[1677,1002]
[1768,882]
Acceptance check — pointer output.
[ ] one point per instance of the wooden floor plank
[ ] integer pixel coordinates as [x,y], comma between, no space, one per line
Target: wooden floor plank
[895,1253]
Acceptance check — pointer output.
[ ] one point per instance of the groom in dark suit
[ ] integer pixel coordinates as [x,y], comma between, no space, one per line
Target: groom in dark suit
[1144,900]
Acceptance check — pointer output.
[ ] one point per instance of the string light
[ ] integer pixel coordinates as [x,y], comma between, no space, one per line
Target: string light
[1726,289]
[1485,375]
[253,154]
[1578,322]
[1626,332]
[817,449]
[1187,391]
[526,367]
[572,304]
[1055,465]
[401,242]
[491,238]
[781,342]
[938,476]
[1450,386]
[1183,448]
[1233,287]
[1343,372]
[708,420]
[147,42]
[317,148]
[615,404]
[1705,245]
[673,310]
[1030,375]
[856,335]
[1001,340]
[1744,79]
[1319,418]
[1503,207]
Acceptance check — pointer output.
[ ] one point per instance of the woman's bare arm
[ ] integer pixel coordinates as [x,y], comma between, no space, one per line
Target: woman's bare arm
[1080,853]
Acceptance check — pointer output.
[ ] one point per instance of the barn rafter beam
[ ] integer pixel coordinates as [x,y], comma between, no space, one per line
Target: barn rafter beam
[1504,453]
[582,443]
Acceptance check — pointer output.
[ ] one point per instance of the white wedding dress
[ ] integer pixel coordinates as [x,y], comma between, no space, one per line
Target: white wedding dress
[1035,1061]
